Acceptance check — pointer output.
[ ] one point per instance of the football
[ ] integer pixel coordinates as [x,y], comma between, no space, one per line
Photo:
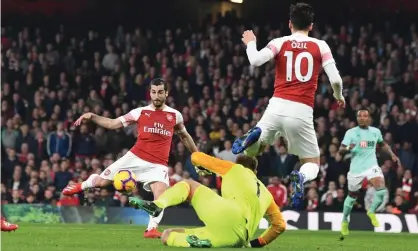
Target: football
[124,180]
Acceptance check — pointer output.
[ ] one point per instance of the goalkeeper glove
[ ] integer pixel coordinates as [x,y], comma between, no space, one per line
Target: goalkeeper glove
[257,243]
[202,171]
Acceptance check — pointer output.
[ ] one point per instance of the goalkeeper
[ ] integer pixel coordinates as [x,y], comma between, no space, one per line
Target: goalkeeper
[230,220]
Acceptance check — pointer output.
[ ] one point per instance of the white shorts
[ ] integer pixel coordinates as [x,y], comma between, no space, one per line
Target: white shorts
[294,122]
[145,172]
[355,181]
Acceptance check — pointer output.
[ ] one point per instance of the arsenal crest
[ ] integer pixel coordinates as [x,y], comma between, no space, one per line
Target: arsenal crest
[107,172]
[169,117]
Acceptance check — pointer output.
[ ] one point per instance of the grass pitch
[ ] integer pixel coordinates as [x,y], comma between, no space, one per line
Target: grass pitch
[75,237]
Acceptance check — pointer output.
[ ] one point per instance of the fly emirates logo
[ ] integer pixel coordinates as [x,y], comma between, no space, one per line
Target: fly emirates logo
[158,128]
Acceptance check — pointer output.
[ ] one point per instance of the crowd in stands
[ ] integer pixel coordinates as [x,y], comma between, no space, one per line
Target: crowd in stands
[47,82]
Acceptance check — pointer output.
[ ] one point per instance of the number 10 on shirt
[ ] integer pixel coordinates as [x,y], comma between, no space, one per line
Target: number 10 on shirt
[294,65]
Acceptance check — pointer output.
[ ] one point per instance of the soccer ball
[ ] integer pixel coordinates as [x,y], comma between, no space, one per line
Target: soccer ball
[124,180]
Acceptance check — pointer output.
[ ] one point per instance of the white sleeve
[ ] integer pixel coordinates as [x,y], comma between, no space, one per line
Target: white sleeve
[326,54]
[335,79]
[131,117]
[258,58]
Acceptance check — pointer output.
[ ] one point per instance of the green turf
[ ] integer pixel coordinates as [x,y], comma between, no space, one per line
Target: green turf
[72,237]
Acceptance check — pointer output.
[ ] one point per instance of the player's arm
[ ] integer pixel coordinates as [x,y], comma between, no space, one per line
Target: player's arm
[335,79]
[257,57]
[346,145]
[185,137]
[277,226]
[212,164]
[99,120]
[330,68]
[128,119]
[385,147]
[107,123]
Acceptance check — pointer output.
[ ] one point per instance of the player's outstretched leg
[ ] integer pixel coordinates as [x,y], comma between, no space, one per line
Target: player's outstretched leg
[93,181]
[173,196]
[147,206]
[379,184]
[348,206]
[246,141]
[307,172]
[297,180]
[157,189]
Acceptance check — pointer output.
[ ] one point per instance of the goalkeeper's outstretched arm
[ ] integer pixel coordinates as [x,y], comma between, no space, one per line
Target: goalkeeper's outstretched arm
[215,165]
[277,226]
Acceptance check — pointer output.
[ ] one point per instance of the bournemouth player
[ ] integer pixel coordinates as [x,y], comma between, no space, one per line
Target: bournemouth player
[156,124]
[298,59]
[361,142]
[230,220]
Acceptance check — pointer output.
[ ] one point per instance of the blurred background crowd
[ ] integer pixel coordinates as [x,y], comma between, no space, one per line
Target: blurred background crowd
[50,76]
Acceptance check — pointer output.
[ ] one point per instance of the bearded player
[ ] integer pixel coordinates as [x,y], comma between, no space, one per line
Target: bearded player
[361,142]
[230,220]
[298,59]
[148,158]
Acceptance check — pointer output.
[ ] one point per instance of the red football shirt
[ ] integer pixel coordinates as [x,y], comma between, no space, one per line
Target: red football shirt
[298,62]
[155,132]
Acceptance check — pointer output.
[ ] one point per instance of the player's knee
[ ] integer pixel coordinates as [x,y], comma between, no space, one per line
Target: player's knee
[100,182]
[378,183]
[311,169]
[353,195]
[165,235]
[282,226]
[158,188]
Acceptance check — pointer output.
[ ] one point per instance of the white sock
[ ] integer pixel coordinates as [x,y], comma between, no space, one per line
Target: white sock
[253,150]
[154,221]
[309,170]
[90,182]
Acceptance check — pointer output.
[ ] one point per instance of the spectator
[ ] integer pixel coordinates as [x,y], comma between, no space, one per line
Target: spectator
[178,173]
[9,164]
[227,154]
[312,200]
[106,199]
[39,147]
[31,199]
[339,201]
[110,59]
[59,142]
[9,135]
[5,196]
[328,204]
[49,198]
[407,157]
[24,137]
[63,176]
[407,184]
[399,205]
[124,201]
[284,163]
[86,145]
[16,197]
[332,189]
[278,190]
